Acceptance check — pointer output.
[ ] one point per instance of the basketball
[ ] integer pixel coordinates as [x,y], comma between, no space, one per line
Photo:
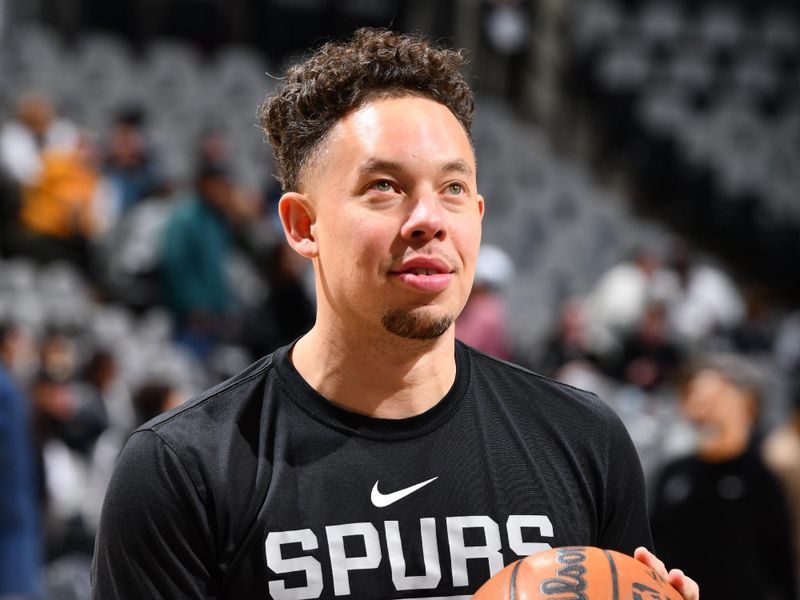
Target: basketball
[577,572]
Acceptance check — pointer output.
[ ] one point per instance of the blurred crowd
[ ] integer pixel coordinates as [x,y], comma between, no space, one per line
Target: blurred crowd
[124,292]
[705,377]
[705,374]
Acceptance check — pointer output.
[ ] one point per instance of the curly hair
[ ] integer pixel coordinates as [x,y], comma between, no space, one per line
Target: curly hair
[341,76]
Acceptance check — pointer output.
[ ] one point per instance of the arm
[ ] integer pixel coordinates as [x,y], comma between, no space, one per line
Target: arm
[628,515]
[154,540]
[625,523]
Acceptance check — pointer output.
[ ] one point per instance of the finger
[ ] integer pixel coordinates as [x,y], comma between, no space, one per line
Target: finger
[644,555]
[686,586]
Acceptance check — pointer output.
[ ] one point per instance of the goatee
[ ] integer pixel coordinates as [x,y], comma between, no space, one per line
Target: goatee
[415,326]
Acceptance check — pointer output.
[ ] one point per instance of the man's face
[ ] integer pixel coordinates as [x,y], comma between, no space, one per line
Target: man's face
[721,412]
[396,218]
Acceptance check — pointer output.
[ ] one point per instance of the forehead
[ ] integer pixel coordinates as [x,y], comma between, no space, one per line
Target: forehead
[409,130]
[709,383]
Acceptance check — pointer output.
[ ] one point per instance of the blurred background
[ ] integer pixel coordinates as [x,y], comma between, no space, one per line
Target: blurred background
[641,165]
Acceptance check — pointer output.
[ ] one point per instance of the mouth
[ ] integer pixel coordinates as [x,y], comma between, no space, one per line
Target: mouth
[424,274]
[422,271]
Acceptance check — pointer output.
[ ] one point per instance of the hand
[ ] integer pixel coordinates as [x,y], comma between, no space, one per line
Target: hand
[686,586]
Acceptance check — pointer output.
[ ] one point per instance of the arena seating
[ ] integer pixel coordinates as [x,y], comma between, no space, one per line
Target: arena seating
[561,229]
[700,108]
[700,105]
[560,226]
[182,95]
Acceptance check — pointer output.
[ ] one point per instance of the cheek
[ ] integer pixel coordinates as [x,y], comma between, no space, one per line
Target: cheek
[356,249]
[470,242]
[737,413]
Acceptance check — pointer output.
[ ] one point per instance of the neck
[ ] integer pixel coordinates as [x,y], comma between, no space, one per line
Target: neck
[388,377]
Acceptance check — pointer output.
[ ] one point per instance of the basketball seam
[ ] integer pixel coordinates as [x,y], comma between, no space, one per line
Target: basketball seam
[512,592]
[614,580]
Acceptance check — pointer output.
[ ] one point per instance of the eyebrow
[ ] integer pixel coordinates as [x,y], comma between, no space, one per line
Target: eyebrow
[373,165]
[458,165]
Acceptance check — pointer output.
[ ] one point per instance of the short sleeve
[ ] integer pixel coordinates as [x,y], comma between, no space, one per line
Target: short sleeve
[625,524]
[153,540]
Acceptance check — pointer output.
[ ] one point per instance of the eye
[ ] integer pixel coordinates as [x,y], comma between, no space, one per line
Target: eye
[383,186]
[455,188]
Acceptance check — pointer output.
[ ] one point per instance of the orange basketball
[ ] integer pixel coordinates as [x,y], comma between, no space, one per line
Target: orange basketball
[577,572]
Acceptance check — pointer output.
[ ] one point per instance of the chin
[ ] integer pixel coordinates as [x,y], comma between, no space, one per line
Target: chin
[417,324]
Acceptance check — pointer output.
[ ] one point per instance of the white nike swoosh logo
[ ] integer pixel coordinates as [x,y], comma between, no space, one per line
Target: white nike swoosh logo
[383,500]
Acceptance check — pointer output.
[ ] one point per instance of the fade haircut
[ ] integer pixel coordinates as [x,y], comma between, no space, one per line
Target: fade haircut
[341,76]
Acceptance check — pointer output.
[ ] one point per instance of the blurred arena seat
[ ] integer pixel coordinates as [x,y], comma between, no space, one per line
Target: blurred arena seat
[531,193]
[694,103]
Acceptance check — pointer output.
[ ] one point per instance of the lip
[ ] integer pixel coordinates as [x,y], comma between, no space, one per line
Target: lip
[436,280]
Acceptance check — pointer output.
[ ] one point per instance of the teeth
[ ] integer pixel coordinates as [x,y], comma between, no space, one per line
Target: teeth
[421,271]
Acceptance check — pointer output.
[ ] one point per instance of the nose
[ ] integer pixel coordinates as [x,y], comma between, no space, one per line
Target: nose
[426,221]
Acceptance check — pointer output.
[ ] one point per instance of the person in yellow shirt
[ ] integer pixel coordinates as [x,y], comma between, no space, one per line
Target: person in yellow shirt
[65,207]
[60,203]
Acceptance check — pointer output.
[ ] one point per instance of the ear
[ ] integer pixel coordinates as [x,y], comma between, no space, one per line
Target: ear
[481,205]
[297,216]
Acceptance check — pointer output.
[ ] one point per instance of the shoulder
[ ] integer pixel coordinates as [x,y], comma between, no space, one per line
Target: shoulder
[190,449]
[519,384]
[203,422]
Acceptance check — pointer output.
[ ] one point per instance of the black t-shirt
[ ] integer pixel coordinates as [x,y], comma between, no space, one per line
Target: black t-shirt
[261,488]
[727,524]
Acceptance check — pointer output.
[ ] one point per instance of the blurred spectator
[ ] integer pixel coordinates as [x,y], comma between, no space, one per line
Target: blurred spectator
[721,514]
[154,398]
[58,356]
[23,139]
[20,537]
[198,242]
[110,392]
[288,310]
[67,426]
[132,250]
[68,423]
[130,164]
[66,206]
[569,343]
[19,353]
[649,356]
[707,302]
[34,129]
[483,322]
[618,301]
[214,149]
[756,331]
[150,400]
[782,454]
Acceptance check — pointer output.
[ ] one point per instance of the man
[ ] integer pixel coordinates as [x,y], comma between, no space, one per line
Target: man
[197,243]
[697,497]
[376,457]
